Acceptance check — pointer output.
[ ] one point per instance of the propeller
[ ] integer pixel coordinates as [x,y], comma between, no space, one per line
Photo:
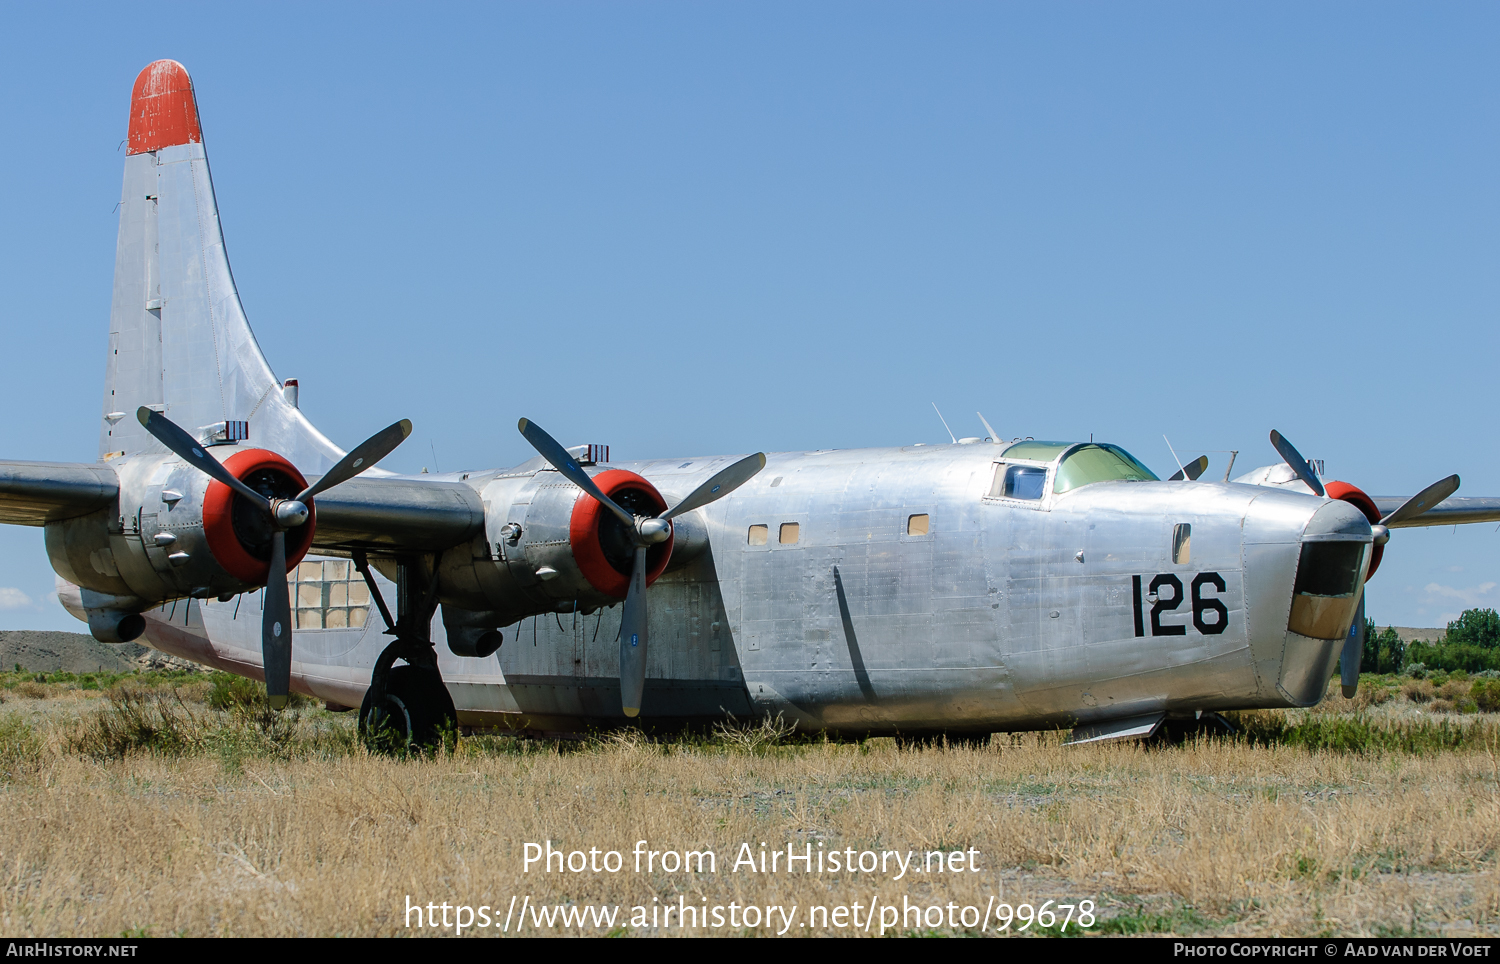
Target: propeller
[1293,458]
[1422,501]
[647,531]
[1191,471]
[1354,649]
[283,514]
[1429,497]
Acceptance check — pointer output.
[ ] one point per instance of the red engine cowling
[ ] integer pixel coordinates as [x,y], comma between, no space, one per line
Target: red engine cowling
[239,536]
[1357,498]
[602,547]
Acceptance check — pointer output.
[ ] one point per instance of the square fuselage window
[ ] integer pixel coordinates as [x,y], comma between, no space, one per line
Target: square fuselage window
[918,525]
[758,535]
[790,533]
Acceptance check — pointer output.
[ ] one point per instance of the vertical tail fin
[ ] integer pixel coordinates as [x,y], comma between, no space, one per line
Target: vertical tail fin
[179,341]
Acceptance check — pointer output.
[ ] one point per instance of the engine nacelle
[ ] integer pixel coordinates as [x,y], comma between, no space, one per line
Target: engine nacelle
[173,533]
[547,547]
[574,547]
[1366,505]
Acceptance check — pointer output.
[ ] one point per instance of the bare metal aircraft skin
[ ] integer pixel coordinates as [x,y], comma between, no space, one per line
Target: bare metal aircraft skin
[965,588]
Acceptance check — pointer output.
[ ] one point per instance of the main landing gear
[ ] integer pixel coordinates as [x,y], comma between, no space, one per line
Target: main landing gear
[406,707]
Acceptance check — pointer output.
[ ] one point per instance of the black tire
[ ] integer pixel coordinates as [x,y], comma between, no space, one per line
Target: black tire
[416,714]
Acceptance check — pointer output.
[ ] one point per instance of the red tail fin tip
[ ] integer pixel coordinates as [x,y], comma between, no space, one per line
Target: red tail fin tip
[163,112]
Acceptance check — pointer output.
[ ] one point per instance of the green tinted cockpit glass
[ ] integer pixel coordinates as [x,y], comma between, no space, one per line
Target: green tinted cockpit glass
[1099,463]
[1038,451]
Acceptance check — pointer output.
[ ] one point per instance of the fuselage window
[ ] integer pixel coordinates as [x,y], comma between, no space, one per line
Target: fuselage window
[1019,482]
[917,525]
[790,532]
[1182,543]
[1099,462]
[757,536]
[329,595]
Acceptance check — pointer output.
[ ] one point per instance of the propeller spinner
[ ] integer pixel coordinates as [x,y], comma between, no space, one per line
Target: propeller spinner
[283,514]
[646,531]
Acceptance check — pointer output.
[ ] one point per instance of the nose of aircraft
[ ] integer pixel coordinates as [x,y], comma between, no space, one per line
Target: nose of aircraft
[1330,572]
[1304,569]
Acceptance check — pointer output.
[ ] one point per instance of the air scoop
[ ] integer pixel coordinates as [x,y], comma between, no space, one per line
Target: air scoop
[1330,572]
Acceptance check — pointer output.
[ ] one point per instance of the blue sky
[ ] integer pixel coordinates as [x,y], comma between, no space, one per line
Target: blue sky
[699,228]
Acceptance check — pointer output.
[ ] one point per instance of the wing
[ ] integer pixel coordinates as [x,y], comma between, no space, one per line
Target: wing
[36,493]
[1450,511]
[379,514]
[397,514]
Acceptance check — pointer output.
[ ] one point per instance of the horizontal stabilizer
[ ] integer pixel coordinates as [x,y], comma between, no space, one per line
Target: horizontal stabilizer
[35,493]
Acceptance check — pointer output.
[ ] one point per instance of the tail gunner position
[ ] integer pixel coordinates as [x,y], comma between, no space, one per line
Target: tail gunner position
[961,588]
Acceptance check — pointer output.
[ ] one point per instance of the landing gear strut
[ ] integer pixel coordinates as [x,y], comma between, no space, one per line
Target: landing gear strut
[406,707]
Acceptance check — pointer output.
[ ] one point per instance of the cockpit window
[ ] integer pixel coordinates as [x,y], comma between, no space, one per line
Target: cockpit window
[1037,451]
[1098,463]
[1019,482]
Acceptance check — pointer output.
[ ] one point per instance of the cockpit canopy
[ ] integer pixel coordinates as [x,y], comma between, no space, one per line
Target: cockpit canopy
[1081,464]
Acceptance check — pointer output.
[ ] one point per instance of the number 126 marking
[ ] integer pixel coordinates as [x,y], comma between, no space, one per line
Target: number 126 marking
[1202,607]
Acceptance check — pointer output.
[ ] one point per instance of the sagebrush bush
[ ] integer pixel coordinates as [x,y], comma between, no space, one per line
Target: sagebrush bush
[754,736]
[137,720]
[144,720]
[1455,689]
[1418,691]
[1486,695]
[227,692]
[20,746]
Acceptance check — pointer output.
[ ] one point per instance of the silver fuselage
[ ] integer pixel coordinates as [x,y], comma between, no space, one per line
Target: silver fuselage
[1004,614]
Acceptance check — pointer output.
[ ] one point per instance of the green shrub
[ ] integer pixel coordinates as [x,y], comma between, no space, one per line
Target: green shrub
[1455,657]
[137,721]
[230,692]
[1362,734]
[19,745]
[1486,695]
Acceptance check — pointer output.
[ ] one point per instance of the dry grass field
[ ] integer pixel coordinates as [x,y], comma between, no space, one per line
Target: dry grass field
[169,805]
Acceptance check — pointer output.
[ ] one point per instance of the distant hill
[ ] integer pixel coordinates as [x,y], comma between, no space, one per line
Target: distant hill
[52,652]
[1410,634]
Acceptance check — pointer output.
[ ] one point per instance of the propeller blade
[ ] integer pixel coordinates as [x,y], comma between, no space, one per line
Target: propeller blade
[558,456]
[276,626]
[1293,458]
[724,482]
[361,457]
[1422,501]
[170,434]
[633,638]
[1191,471]
[1354,648]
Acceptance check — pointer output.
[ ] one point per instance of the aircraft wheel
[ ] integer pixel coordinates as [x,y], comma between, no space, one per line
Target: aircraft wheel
[416,713]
